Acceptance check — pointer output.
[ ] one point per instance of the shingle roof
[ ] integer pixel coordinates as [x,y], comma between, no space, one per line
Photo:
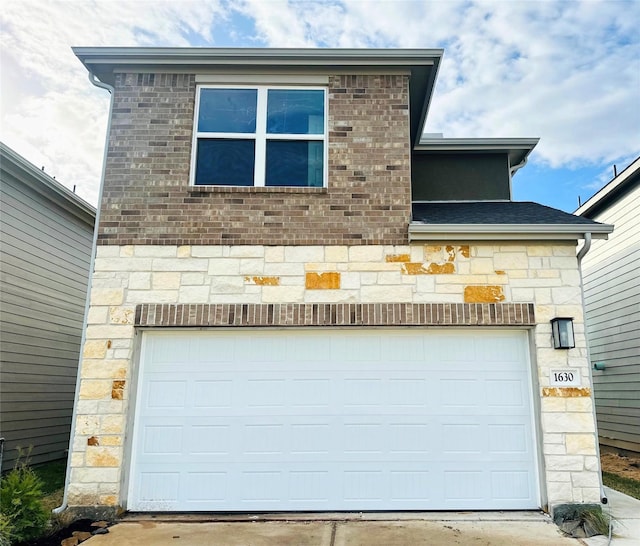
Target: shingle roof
[494,212]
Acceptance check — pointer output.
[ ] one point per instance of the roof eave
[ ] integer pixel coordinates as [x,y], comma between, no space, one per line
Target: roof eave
[518,149]
[44,184]
[421,64]
[485,232]
[614,186]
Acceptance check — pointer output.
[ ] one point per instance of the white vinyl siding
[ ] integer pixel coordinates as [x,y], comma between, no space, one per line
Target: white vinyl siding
[612,296]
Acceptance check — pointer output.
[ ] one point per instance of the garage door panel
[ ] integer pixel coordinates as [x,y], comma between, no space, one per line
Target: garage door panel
[333,420]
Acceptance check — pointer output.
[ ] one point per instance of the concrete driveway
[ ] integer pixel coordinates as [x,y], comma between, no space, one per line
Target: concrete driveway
[431,529]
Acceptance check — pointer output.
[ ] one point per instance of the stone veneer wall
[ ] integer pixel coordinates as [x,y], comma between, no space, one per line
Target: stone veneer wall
[147,198]
[157,278]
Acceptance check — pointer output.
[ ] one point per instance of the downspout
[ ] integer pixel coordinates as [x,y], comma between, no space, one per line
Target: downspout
[94,247]
[513,170]
[581,254]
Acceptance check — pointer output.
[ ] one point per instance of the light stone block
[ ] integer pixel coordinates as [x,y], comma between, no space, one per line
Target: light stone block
[585,479]
[193,294]
[238,298]
[554,449]
[76,459]
[140,281]
[374,266]
[483,266]
[87,424]
[512,247]
[389,277]
[283,294]
[331,296]
[109,406]
[155,251]
[167,280]
[546,274]
[564,262]
[567,296]
[511,260]
[366,253]
[592,463]
[368,278]
[94,349]
[568,250]
[97,315]
[251,266]
[107,251]
[559,492]
[426,284]
[101,331]
[112,424]
[483,251]
[539,250]
[86,407]
[82,494]
[123,264]
[386,294]
[95,475]
[104,369]
[284,269]
[438,298]
[247,251]
[184,251]
[95,389]
[522,294]
[550,404]
[226,285]
[591,495]
[122,315]
[224,266]
[274,254]
[553,438]
[349,281]
[155,296]
[563,477]
[304,254]
[320,266]
[535,263]
[417,253]
[98,456]
[180,264]
[564,462]
[206,251]
[568,422]
[127,250]
[106,296]
[581,405]
[192,279]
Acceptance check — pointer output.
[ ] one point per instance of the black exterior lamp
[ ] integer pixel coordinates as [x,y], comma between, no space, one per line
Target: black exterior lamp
[562,328]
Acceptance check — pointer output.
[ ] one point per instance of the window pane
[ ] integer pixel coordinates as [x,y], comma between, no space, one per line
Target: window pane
[225,162]
[294,163]
[227,110]
[295,112]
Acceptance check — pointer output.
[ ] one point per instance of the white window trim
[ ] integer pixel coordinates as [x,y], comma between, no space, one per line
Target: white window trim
[260,137]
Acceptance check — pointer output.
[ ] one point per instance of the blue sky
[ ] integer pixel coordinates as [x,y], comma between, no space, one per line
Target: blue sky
[565,71]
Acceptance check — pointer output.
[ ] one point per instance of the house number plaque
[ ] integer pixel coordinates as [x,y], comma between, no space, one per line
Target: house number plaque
[565,378]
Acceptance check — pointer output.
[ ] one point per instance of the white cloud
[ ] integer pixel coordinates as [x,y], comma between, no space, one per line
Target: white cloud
[568,72]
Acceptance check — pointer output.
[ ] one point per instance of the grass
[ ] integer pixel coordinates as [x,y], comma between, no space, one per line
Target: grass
[52,475]
[624,485]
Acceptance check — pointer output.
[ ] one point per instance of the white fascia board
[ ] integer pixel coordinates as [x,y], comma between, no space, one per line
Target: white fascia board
[481,144]
[256,56]
[487,232]
[609,188]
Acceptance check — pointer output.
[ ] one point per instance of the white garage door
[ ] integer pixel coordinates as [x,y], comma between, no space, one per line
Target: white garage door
[328,419]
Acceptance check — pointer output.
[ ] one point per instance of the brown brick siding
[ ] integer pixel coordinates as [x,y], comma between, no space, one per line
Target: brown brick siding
[336,314]
[148,200]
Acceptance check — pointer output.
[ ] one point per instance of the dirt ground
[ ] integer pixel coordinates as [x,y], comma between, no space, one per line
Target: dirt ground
[627,466]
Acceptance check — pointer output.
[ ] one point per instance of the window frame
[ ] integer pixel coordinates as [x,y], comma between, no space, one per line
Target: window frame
[260,137]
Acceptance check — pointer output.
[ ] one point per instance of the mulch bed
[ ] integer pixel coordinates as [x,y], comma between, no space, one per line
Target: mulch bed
[79,526]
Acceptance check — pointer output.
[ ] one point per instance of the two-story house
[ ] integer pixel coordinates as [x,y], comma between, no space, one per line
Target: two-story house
[299,304]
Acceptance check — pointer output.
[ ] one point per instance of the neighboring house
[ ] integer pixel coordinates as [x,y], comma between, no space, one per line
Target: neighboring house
[46,234]
[299,304]
[611,272]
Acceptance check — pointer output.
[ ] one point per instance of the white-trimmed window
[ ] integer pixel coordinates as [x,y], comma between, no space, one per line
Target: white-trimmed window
[260,136]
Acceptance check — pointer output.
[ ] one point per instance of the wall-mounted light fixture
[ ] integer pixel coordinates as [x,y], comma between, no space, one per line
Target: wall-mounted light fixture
[562,328]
